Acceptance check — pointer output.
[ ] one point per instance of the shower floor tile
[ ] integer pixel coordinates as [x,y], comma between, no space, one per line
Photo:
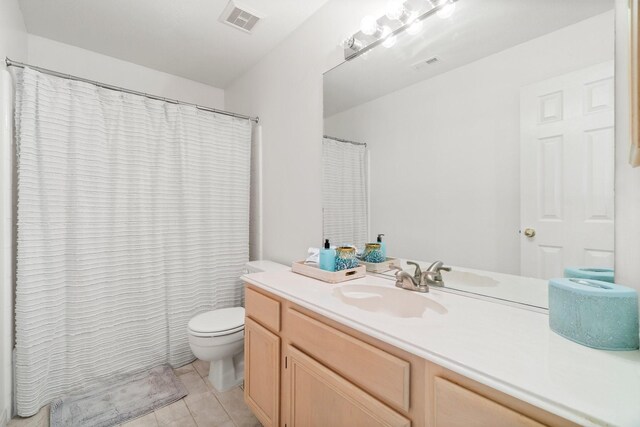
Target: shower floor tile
[202,407]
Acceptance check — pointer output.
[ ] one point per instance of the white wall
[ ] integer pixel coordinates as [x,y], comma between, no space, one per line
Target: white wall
[285,89]
[447,150]
[91,65]
[13,44]
[13,34]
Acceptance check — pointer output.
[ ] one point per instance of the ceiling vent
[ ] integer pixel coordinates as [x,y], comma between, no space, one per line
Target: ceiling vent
[429,61]
[239,17]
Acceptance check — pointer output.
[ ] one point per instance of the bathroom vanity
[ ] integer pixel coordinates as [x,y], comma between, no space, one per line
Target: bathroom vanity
[366,353]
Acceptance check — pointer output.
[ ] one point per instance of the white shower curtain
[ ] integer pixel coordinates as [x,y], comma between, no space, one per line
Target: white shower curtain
[133,216]
[345,205]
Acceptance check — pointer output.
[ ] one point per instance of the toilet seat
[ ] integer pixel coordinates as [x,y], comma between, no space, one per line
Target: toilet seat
[216,333]
[215,323]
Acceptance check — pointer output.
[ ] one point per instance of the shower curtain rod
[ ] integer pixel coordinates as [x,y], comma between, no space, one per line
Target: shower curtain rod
[344,140]
[11,63]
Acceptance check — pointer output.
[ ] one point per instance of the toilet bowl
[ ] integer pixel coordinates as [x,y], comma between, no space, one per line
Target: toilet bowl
[217,336]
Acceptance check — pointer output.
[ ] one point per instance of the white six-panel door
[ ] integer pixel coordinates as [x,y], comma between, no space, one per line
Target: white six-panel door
[567,172]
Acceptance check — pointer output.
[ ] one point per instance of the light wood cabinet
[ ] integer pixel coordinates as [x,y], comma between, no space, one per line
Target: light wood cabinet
[262,373]
[320,397]
[302,369]
[456,406]
[263,309]
[353,359]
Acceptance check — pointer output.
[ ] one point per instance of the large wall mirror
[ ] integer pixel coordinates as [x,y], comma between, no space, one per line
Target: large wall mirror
[484,139]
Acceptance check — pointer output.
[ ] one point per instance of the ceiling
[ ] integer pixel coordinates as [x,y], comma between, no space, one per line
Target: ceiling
[180,37]
[477,29]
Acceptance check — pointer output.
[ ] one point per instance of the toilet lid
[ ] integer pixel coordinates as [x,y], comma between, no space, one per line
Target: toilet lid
[224,319]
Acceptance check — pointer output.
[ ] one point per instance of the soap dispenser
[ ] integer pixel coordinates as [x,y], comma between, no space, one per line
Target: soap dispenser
[383,246]
[327,257]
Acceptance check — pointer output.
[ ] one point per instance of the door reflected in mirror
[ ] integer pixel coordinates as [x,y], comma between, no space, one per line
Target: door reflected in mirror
[489,140]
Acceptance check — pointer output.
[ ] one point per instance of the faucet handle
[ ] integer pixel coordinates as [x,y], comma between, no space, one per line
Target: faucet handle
[437,266]
[428,276]
[395,267]
[418,273]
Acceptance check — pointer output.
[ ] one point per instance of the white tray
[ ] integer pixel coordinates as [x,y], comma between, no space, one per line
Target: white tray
[328,276]
[381,267]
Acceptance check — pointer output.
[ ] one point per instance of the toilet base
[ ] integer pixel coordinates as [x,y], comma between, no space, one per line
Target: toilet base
[228,373]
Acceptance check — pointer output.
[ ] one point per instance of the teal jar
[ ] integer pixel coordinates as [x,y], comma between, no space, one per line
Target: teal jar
[346,258]
[373,253]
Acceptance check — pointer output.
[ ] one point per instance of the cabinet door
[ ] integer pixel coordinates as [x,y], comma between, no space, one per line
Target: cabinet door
[262,373]
[320,397]
[456,406]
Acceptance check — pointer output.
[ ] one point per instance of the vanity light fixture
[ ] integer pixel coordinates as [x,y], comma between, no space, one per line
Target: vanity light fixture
[415,27]
[353,44]
[399,16]
[369,27]
[448,7]
[389,39]
[396,11]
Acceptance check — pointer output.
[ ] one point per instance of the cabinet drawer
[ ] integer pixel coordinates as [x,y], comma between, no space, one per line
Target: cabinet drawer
[456,406]
[263,309]
[381,374]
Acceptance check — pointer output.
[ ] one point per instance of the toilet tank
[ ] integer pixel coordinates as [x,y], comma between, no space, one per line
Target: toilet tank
[264,265]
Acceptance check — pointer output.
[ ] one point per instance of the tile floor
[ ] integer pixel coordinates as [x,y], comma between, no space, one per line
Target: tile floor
[202,407]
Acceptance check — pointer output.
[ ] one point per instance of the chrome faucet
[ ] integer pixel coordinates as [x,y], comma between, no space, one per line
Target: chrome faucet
[418,282]
[436,279]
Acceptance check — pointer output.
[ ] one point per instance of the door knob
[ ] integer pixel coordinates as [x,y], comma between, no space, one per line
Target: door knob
[530,232]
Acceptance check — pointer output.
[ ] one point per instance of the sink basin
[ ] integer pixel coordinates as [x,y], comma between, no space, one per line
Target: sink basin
[387,300]
[456,278]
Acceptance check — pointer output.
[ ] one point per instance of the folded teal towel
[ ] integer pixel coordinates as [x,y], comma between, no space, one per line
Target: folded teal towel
[594,313]
[594,273]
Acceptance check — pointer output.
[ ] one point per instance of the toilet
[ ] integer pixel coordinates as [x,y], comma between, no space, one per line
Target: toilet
[217,336]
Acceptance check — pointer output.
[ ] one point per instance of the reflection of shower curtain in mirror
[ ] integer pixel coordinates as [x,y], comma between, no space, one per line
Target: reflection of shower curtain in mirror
[345,205]
[133,216]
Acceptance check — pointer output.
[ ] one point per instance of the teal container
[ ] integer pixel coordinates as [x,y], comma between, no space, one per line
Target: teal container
[592,273]
[346,258]
[594,313]
[383,246]
[327,257]
[373,253]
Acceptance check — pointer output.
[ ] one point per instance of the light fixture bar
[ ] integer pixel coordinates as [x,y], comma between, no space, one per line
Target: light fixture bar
[358,43]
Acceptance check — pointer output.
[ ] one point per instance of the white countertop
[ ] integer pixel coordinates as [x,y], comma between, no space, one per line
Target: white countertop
[507,348]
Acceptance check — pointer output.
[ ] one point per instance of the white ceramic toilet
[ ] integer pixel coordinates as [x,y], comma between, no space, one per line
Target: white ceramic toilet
[217,336]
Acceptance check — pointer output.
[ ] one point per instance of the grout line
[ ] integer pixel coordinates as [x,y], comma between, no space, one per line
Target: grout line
[196,369]
[190,413]
[214,394]
[224,409]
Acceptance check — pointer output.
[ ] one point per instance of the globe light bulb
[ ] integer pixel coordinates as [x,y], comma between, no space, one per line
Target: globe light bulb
[395,9]
[446,10]
[369,25]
